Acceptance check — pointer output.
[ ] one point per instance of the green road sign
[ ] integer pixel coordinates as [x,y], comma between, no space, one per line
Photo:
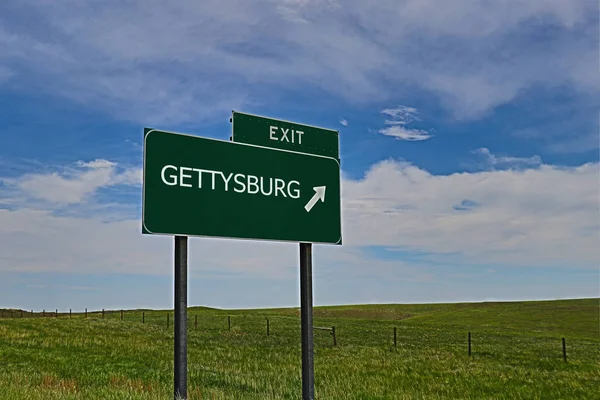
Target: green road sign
[279,134]
[196,186]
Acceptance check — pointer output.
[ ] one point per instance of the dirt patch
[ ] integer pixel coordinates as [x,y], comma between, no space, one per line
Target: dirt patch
[52,382]
[136,385]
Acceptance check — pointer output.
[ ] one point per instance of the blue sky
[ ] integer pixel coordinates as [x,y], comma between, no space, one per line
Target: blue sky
[469,137]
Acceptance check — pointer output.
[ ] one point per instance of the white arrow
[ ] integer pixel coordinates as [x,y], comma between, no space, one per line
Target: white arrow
[319,195]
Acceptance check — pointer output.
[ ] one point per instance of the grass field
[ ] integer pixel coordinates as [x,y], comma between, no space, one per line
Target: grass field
[516,353]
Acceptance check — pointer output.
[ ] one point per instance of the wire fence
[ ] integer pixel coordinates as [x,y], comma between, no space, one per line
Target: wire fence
[476,342]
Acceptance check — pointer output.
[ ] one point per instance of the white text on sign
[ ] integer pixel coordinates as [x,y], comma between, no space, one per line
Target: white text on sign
[241,183]
[285,134]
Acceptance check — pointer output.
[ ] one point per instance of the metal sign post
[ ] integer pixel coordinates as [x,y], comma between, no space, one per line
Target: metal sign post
[181,265]
[306,322]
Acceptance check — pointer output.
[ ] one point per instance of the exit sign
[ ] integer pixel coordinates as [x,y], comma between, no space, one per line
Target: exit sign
[284,135]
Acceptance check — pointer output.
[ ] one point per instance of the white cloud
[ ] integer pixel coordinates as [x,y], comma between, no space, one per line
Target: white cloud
[537,216]
[344,122]
[541,216]
[400,117]
[473,54]
[507,161]
[400,132]
[96,164]
[401,114]
[74,185]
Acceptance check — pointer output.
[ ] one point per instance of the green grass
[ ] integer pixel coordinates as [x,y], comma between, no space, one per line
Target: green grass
[575,318]
[516,353]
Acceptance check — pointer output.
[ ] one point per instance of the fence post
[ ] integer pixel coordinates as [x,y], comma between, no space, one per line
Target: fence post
[333,333]
[143,317]
[469,344]
[121,315]
[195,322]
[70,312]
[43,312]
[394,336]
[86,312]
[228,322]
[564,349]
[103,313]
[56,313]
[268,327]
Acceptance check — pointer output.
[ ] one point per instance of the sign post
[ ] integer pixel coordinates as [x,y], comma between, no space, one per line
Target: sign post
[180,361]
[306,322]
[282,187]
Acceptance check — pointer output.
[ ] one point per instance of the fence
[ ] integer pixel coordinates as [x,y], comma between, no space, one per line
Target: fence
[389,335]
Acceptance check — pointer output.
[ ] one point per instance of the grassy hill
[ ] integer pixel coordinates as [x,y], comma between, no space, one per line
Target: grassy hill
[516,353]
[575,318]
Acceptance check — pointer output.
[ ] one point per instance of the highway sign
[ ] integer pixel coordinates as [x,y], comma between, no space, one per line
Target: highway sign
[286,135]
[195,186]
